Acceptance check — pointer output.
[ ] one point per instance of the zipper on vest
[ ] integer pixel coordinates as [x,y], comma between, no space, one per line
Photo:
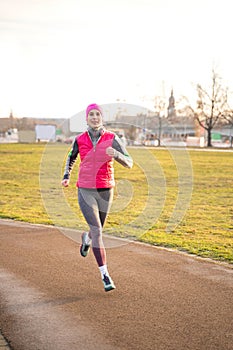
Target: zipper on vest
[96,143]
[94,146]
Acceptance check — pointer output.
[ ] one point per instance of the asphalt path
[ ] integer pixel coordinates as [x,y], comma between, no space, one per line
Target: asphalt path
[51,298]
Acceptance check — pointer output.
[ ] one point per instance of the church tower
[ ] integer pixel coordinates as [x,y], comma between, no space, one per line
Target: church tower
[11,118]
[171,110]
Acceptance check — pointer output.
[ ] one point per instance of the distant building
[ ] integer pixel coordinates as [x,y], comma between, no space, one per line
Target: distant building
[6,124]
[27,125]
[171,110]
[45,132]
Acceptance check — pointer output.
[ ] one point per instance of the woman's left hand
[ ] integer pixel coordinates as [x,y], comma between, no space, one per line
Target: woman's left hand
[111,152]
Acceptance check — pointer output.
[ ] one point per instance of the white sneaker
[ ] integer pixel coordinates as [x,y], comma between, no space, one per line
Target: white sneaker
[108,283]
[84,249]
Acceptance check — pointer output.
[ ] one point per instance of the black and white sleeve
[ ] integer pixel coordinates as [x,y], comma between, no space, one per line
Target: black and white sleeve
[121,154]
[71,159]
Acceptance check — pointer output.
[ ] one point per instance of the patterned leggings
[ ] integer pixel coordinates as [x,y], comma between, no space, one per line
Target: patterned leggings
[95,205]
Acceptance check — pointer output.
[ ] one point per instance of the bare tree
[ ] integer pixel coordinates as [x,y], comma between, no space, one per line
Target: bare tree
[211,106]
[160,106]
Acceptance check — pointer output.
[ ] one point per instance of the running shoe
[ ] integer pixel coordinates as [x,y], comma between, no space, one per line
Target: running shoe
[108,283]
[84,249]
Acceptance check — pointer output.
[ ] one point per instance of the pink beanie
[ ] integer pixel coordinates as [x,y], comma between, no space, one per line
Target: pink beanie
[93,106]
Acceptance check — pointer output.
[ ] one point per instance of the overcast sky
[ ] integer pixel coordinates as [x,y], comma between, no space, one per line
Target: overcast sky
[57,56]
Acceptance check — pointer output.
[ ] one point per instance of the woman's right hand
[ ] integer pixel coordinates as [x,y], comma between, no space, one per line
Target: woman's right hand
[65,182]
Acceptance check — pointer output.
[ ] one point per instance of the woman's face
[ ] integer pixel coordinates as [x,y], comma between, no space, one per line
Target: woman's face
[94,119]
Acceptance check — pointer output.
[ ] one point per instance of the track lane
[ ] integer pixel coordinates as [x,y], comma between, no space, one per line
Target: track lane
[52,298]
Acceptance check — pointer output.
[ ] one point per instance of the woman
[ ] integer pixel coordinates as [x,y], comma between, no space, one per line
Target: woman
[97,148]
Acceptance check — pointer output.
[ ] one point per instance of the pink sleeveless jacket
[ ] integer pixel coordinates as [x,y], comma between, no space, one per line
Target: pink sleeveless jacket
[96,167]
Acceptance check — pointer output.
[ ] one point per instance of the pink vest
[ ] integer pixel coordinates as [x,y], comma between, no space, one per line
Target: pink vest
[96,167]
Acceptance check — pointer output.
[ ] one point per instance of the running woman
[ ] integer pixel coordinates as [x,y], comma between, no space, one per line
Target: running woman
[97,149]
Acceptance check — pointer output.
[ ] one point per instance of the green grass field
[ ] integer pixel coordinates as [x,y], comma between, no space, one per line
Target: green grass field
[182,199]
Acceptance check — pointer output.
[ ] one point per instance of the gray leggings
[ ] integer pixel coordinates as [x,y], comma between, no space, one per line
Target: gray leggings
[95,205]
